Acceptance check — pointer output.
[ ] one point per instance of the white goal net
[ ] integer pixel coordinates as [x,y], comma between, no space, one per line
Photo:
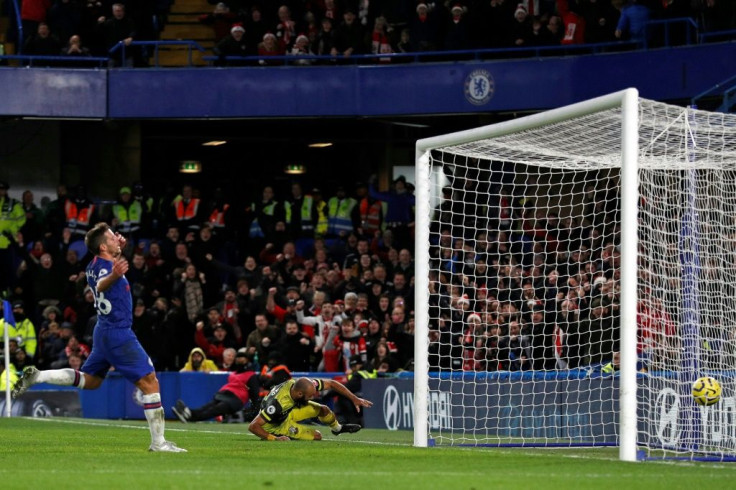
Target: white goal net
[581,274]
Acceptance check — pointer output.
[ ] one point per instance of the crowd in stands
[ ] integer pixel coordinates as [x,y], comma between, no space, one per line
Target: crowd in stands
[342,28]
[517,287]
[309,282]
[83,28]
[514,287]
[299,280]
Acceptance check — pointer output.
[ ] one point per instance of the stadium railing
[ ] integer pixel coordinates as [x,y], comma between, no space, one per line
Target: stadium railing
[57,61]
[102,61]
[415,57]
[16,9]
[725,89]
[717,36]
[690,27]
[156,45]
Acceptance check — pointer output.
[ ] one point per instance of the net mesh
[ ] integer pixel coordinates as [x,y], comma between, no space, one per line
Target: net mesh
[525,283]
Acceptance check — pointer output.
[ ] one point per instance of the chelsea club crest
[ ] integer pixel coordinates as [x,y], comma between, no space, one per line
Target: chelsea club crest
[479,87]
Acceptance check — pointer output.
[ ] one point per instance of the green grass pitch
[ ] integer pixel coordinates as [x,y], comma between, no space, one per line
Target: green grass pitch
[63,453]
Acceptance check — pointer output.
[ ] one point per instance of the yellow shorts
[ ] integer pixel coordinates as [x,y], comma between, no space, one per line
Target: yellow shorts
[291,427]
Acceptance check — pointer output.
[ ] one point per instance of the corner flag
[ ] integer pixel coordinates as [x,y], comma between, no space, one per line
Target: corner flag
[8,313]
[8,320]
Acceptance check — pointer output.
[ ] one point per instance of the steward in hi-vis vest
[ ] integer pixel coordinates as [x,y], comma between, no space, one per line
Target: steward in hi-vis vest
[264,215]
[186,211]
[339,214]
[320,209]
[300,213]
[80,214]
[127,214]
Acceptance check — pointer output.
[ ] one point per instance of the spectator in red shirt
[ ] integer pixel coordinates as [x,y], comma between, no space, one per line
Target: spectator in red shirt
[270,47]
[380,43]
[279,313]
[349,343]
[221,19]
[32,13]
[286,31]
[215,345]
[75,348]
[229,310]
[574,23]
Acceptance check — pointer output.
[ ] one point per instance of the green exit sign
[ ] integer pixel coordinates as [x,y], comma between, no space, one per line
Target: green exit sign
[190,167]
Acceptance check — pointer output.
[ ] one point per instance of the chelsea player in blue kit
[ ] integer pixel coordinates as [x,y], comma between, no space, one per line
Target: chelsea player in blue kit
[114,343]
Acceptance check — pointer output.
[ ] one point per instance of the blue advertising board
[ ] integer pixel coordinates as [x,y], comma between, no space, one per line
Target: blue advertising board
[53,92]
[461,87]
[581,409]
[574,406]
[414,89]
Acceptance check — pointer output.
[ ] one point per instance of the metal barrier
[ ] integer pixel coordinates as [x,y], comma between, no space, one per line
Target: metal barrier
[667,25]
[102,61]
[415,57]
[59,61]
[726,89]
[19,22]
[717,36]
[729,100]
[121,46]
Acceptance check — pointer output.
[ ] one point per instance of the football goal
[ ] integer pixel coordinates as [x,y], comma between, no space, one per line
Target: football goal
[575,274]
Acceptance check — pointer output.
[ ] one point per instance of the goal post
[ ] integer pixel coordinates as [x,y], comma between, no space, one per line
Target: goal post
[557,264]
[628,101]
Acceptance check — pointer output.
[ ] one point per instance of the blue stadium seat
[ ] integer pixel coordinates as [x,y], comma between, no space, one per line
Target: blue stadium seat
[79,247]
[144,244]
[304,246]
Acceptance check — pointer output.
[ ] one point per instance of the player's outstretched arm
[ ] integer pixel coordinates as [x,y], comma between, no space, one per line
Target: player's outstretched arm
[331,384]
[256,427]
[119,268]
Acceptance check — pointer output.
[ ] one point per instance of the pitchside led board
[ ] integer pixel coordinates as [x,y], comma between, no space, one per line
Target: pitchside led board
[46,403]
[579,406]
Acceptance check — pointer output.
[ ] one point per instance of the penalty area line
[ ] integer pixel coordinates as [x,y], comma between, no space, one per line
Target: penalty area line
[127,426]
[115,424]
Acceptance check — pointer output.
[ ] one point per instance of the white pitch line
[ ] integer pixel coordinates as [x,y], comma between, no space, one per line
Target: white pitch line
[198,431]
[331,472]
[125,426]
[543,452]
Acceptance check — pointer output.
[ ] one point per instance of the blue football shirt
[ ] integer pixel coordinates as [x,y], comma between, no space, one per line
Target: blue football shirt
[114,306]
